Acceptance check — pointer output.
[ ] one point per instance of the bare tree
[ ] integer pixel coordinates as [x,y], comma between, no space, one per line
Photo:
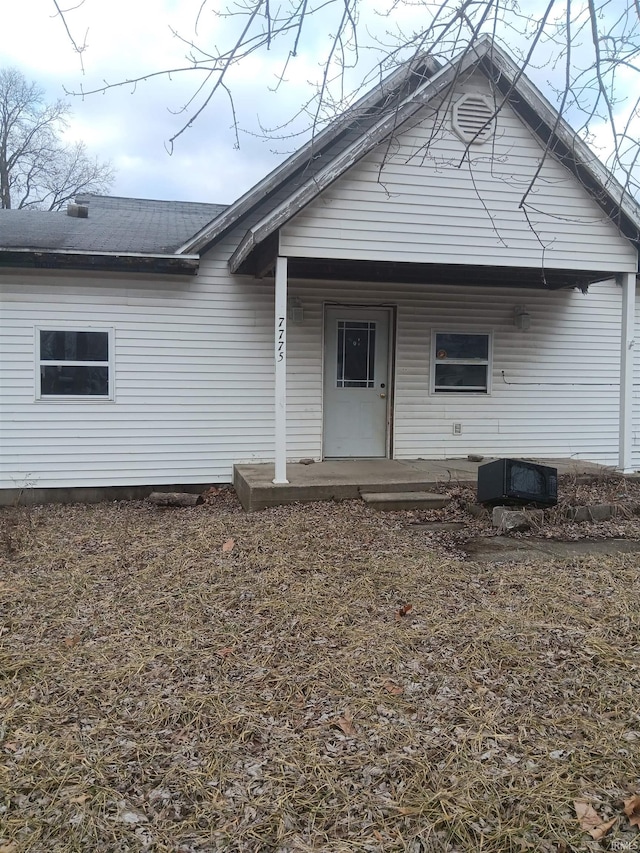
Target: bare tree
[37,169]
[588,51]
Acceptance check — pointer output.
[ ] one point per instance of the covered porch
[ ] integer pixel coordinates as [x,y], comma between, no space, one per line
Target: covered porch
[478,322]
[348,479]
[562,384]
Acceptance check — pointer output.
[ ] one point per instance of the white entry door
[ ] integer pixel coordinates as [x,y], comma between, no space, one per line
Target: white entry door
[356,382]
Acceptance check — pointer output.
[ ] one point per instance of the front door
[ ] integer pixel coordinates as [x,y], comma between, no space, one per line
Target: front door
[356,382]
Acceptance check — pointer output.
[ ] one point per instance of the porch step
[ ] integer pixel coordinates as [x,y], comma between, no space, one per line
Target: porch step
[386,501]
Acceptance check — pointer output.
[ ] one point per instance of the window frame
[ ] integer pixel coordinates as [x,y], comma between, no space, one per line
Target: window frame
[74,398]
[488,362]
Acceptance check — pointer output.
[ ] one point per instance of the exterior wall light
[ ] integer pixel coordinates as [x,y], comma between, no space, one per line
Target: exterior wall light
[522,318]
[295,310]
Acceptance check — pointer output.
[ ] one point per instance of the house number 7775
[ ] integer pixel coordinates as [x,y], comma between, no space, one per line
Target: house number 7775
[280,348]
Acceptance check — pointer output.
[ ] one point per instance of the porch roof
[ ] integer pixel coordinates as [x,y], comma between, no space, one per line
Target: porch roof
[395,272]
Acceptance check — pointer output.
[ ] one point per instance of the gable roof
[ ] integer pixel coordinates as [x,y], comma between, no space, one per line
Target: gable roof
[118,235]
[301,178]
[165,236]
[321,149]
[114,224]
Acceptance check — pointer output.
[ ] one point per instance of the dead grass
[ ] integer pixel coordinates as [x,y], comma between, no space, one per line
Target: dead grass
[157,693]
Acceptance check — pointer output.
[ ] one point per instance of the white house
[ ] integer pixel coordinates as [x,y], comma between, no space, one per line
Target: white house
[383,293]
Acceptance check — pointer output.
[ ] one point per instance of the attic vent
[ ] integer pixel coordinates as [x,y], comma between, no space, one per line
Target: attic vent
[473,118]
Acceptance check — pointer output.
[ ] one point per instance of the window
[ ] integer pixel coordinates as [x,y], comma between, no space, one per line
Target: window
[356,354]
[74,363]
[461,363]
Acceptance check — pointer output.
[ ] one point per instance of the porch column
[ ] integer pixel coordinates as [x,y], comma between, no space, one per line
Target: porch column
[627,344]
[281,371]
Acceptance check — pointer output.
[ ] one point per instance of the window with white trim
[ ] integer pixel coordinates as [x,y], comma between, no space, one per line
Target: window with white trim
[460,363]
[74,363]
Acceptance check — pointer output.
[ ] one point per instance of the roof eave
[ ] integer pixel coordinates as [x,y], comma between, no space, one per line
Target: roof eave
[70,259]
[205,238]
[619,206]
[572,151]
[358,149]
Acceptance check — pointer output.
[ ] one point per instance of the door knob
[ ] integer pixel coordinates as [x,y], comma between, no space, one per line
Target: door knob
[383,395]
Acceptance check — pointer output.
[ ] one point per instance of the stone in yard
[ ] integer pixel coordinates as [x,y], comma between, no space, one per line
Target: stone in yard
[476,510]
[595,512]
[511,520]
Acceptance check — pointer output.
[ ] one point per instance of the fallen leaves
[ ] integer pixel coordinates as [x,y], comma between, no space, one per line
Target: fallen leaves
[224,652]
[196,666]
[632,809]
[345,724]
[404,611]
[591,821]
[228,546]
[127,815]
[597,828]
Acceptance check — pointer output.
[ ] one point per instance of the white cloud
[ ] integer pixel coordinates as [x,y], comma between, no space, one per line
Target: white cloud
[131,125]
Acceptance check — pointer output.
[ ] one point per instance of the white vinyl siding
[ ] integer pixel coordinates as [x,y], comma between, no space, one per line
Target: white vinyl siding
[636,389]
[194,377]
[554,389]
[415,200]
[193,374]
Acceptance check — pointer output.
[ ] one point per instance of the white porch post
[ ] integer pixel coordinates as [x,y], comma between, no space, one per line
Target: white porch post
[281,371]
[627,344]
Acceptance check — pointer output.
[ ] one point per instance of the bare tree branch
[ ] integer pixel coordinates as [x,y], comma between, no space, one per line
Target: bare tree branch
[593,45]
[36,168]
[78,48]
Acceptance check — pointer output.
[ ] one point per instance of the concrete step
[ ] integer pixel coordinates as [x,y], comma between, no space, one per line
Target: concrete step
[386,501]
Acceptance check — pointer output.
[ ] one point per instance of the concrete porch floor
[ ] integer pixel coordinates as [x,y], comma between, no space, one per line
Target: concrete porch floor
[344,479]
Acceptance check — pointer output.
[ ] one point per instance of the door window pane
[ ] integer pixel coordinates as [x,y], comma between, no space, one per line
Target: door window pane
[356,354]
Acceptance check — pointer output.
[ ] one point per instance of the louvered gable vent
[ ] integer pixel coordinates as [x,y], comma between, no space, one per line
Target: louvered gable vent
[473,119]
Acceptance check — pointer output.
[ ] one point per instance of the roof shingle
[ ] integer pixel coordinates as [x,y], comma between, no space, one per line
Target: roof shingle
[114,224]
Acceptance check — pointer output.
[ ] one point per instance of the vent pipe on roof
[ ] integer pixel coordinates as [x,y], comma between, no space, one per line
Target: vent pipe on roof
[80,211]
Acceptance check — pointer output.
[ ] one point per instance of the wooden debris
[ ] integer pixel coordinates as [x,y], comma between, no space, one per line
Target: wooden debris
[175,499]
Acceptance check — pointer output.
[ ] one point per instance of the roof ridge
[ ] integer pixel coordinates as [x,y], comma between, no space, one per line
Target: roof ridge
[135,201]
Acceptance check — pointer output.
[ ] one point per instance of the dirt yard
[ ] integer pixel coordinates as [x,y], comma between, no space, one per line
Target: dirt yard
[316,678]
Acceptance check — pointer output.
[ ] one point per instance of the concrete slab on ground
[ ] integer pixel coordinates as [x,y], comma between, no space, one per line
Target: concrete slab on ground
[345,479]
[329,480]
[498,549]
[390,501]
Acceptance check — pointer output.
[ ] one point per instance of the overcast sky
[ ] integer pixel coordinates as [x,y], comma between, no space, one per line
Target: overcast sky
[126,38]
